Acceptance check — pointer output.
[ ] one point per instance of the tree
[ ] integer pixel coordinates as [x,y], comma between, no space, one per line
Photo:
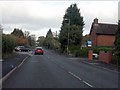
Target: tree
[1,31]
[17,32]
[31,40]
[72,14]
[49,39]
[40,40]
[8,44]
[26,34]
[117,43]
[20,37]
[72,27]
[20,41]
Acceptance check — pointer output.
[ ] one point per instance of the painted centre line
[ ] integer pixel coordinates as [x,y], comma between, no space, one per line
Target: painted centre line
[75,75]
[80,79]
[87,84]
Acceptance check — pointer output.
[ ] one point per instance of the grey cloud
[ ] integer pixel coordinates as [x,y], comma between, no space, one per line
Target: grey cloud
[31,23]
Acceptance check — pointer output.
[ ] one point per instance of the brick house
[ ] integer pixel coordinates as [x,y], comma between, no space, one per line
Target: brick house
[102,34]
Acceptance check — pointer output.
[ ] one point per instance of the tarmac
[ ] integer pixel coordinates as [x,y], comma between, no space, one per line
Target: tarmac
[11,64]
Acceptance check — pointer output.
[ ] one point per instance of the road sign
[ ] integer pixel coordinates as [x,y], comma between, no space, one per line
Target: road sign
[89,43]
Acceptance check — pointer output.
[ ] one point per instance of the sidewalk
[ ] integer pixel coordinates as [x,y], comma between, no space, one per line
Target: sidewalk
[100,64]
[11,63]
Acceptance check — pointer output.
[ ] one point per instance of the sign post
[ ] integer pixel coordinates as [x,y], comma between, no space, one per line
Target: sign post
[90,52]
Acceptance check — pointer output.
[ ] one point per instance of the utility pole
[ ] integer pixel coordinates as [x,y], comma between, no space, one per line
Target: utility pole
[68,35]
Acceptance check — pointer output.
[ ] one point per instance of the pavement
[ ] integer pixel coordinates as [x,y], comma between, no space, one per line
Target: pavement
[10,63]
[95,62]
[101,64]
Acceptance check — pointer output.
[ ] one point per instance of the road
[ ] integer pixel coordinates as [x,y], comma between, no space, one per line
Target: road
[52,70]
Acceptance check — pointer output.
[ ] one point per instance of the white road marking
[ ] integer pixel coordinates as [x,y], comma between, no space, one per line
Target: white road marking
[88,84]
[80,79]
[75,75]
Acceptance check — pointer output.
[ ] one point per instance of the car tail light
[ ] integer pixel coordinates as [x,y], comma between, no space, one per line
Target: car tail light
[39,51]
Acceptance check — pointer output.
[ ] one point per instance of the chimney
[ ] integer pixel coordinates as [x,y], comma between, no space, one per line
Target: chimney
[96,21]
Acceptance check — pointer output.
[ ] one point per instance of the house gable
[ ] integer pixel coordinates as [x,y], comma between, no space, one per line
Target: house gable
[103,34]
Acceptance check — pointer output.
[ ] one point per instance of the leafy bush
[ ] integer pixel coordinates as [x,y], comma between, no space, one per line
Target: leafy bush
[102,48]
[8,44]
[115,60]
[78,52]
[81,53]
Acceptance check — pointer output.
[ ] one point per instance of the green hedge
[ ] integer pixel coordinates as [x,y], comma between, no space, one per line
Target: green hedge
[8,44]
[115,60]
[102,48]
[77,51]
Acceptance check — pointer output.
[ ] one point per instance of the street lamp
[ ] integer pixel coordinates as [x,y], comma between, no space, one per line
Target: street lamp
[68,35]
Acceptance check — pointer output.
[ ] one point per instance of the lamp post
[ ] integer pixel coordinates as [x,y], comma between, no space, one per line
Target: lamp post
[68,35]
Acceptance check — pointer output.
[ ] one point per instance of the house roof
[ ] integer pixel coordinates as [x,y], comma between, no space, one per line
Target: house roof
[107,29]
[104,29]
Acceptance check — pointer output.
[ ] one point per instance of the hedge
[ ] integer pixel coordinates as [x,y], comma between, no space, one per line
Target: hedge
[77,51]
[8,44]
[102,48]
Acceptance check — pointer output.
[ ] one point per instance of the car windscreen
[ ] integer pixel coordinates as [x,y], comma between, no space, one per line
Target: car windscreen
[38,49]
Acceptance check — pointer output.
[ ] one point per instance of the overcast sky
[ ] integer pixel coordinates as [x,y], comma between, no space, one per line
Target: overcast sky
[38,16]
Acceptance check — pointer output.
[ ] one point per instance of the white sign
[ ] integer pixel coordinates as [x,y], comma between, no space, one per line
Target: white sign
[89,42]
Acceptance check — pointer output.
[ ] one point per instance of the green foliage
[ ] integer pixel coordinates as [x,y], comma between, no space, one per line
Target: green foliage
[102,48]
[63,37]
[115,60]
[72,13]
[8,44]
[77,51]
[17,32]
[75,35]
[1,41]
[41,40]
[50,41]
[72,27]
[117,46]
[31,41]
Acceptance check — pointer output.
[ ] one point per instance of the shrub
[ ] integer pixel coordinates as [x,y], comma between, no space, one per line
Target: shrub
[115,60]
[102,48]
[8,44]
[78,52]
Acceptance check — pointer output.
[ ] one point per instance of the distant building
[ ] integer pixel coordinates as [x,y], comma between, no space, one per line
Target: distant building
[33,37]
[102,34]
[85,39]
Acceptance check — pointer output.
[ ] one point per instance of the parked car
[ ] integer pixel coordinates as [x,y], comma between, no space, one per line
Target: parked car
[22,49]
[38,50]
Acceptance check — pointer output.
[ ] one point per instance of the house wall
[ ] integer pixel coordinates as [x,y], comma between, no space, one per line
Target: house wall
[105,40]
[93,38]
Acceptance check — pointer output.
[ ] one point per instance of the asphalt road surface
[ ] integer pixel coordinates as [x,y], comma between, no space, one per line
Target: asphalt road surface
[52,70]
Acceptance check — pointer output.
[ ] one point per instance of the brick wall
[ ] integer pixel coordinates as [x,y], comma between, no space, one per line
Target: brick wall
[105,57]
[105,40]
[93,38]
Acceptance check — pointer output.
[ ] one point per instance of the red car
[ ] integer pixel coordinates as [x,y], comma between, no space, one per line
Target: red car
[39,50]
